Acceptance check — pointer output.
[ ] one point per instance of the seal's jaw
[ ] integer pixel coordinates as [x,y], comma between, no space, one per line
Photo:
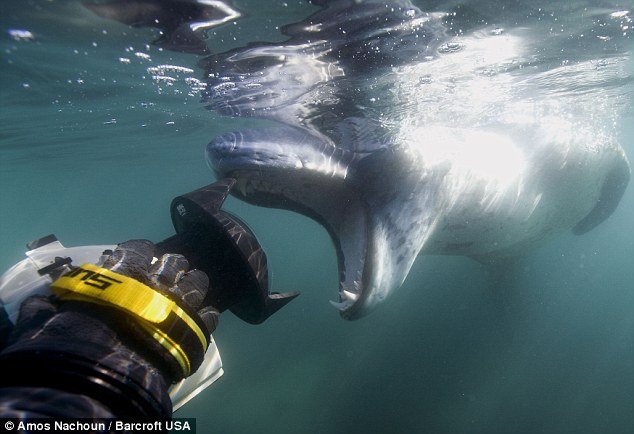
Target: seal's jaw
[368,220]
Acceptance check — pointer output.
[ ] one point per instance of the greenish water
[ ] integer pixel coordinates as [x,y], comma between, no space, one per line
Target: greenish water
[93,150]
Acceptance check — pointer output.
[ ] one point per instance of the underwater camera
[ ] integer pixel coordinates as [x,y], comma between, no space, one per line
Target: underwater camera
[213,241]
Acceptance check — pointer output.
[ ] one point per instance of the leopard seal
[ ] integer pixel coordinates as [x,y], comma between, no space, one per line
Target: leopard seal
[404,138]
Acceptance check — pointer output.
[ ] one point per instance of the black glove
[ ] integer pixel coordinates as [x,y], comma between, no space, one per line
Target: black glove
[170,276]
[94,349]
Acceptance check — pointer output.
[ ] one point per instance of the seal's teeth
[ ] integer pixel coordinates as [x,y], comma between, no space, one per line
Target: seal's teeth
[347,295]
[341,306]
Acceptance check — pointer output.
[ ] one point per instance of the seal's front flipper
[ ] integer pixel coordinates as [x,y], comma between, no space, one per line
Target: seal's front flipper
[612,191]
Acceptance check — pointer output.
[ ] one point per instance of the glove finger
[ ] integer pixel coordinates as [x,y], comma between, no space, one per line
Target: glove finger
[6,326]
[37,306]
[193,288]
[210,317]
[166,272]
[34,311]
[131,258]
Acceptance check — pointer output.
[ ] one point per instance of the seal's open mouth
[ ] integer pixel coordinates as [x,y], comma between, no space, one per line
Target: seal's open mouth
[290,169]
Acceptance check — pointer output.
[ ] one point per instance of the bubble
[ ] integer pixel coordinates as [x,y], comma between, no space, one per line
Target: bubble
[619,14]
[450,47]
[21,35]
[163,69]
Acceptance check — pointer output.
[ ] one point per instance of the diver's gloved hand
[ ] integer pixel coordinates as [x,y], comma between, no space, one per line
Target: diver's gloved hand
[168,274]
[74,343]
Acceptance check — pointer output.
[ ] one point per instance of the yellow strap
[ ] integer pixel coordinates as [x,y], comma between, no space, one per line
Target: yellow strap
[100,285]
[172,347]
[192,325]
[116,289]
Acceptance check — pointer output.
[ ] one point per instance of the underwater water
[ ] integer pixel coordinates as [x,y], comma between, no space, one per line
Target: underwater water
[93,149]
